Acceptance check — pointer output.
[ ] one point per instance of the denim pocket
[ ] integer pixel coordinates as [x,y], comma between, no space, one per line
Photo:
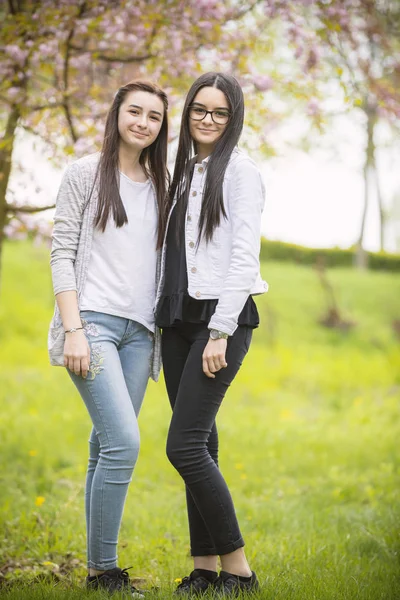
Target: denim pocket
[91,330]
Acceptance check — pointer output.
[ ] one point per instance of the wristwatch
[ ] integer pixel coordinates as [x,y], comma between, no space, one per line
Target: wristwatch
[218,335]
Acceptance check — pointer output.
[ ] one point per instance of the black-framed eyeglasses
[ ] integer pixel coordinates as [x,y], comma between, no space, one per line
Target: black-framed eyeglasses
[220,117]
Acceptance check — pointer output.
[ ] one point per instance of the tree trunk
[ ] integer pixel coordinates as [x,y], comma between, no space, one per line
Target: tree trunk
[382,215]
[370,112]
[6,150]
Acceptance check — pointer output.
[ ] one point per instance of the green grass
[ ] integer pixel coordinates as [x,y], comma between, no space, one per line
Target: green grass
[309,446]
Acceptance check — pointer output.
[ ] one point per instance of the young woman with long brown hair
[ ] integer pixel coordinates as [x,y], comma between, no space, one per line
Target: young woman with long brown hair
[210,272]
[108,228]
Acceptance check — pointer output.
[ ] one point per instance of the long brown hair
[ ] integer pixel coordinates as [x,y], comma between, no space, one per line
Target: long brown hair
[212,208]
[153,160]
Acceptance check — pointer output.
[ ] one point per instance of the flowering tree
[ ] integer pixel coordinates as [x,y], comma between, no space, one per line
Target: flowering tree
[60,63]
[362,38]
[356,43]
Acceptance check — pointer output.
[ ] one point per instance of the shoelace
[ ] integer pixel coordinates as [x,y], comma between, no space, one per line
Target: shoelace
[124,574]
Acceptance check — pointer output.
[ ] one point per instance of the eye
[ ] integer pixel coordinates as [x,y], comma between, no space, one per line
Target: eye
[197,110]
[222,113]
[154,118]
[133,111]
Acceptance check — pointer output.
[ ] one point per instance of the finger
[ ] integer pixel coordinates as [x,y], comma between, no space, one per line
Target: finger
[217,365]
[206,370]
[70,363]
[222,361]
[65,361]
[211,364]
[84,367]
[77,366]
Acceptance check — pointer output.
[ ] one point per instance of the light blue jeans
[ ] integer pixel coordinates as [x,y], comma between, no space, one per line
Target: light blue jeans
[113,393]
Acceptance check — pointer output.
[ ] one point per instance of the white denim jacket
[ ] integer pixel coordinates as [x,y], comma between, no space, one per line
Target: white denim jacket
[227,268]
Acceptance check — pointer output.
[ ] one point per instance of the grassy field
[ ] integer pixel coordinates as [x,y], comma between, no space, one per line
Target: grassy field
[309,446]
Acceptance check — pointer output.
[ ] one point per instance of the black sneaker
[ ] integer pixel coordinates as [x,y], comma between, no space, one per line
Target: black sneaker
[233,585]
[195,584]
[113,580]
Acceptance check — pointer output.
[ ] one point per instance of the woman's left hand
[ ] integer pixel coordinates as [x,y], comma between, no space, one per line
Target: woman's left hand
[214,357]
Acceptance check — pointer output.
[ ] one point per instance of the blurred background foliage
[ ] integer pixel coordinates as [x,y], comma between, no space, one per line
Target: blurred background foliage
[308,61]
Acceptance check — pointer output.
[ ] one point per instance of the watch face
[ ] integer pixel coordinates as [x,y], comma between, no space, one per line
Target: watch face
[213,334]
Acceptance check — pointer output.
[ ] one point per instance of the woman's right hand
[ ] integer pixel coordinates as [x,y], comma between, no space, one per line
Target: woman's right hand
[77,353]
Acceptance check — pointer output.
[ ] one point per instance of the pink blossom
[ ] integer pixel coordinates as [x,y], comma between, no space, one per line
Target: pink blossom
[312,58]
[13,92]
[298,52]
[313,107]
[16,53]
[176,44]
[206,25]
[262,83]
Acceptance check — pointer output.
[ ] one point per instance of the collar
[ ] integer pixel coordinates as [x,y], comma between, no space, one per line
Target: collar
[205,161]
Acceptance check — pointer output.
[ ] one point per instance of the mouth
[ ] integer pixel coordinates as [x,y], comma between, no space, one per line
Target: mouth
[207,130]
[140,135]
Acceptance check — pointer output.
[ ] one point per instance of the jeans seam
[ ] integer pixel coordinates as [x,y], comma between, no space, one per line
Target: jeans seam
[102,492]
[211,484]
[229,524]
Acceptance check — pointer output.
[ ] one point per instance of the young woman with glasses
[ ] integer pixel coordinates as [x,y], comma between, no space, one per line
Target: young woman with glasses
[210,270]
[108,226]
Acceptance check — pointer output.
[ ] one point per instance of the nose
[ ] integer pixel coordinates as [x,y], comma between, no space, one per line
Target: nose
[207,119]
[142,121]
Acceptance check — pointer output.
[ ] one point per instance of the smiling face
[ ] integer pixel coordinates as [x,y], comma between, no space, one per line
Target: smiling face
[206,132]
[139,119]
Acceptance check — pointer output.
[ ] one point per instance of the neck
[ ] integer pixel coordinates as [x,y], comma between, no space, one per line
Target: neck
[203,151]
[128,159]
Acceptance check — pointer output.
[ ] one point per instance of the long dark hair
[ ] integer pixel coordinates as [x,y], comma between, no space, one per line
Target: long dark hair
[153,160]
[213,204]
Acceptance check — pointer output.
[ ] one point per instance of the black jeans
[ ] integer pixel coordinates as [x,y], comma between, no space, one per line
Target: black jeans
[192,445]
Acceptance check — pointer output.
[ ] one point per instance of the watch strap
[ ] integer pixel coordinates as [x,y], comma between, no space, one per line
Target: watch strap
[218,335]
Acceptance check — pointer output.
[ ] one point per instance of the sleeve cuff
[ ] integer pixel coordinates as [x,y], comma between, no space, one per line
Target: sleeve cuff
[225,325]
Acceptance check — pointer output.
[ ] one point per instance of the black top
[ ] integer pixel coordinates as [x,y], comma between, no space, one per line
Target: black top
[175,305]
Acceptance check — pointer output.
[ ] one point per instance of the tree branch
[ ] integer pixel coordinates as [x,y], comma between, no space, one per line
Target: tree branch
[28,209]
[11,7]
[66,106]
[106,58]
[46,106]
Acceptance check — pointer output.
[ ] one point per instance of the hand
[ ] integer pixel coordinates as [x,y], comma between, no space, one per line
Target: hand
[77,353]
[214,357]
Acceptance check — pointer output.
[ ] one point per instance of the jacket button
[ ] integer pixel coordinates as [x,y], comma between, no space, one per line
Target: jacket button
[194,270]
[189,218]
[191,244]
[200,169]
[194,193]
[198,294]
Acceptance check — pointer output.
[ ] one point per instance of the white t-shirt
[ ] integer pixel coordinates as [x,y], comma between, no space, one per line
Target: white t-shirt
[121,278]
